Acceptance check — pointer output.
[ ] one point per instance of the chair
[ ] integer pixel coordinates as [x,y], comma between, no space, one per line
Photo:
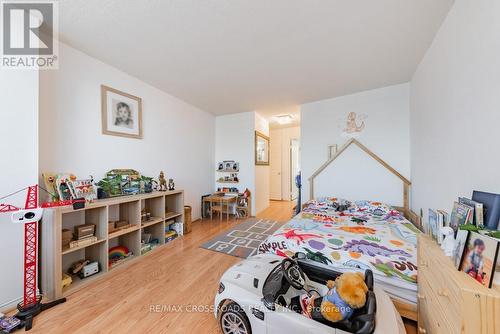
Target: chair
[216,208]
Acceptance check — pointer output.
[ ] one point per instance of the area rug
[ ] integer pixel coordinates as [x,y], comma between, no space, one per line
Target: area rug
[244,239]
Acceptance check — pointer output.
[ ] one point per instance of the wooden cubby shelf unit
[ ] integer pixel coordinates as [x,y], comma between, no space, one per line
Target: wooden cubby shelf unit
[165,208]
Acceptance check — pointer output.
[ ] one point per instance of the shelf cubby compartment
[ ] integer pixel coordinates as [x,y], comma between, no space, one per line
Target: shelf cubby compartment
[95,252]
[128,211]
[96,216]
[174,208]
[131,240]
[157,231]
[155,206]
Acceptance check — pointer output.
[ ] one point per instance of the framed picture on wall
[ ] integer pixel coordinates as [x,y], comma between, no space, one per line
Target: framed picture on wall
[121,113]
[261,149]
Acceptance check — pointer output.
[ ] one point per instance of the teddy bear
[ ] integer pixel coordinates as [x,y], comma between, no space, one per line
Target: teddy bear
[346,293]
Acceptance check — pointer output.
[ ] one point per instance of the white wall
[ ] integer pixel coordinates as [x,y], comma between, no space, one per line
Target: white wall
[455,112]
[19,166]
[178,138]
[261,172]
[355,175]
[234,140]
[281,139]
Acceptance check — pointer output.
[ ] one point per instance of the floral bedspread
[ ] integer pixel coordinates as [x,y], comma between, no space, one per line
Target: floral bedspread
[365,235]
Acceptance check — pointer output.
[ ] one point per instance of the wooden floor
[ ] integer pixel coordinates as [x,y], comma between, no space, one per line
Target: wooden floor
[180,275]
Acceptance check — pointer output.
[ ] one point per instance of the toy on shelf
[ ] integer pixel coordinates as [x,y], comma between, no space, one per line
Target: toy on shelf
[243,207]
[171,184]
[118,254]
[66,281]
[84,189]
[223,190]
[148,243]
[118,182]
[49,180]
[177,227]
[77,266]
[117,225]
[162,182]
[84,268]
[89,269]
[67,237]
[111,186]
[170,235]
[84,235]
[82,242]
[228,166]
[146,184]
[232,178]
[130,180]
[145,215]
[84,231]
[63,186]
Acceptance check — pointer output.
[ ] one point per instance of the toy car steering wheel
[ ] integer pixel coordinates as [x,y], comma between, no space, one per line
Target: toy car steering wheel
[293,273]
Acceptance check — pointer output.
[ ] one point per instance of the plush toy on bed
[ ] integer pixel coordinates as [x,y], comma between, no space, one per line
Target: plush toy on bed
[347,293]
[340,204]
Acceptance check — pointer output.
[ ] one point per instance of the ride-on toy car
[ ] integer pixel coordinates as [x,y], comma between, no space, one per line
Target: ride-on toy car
[260,295]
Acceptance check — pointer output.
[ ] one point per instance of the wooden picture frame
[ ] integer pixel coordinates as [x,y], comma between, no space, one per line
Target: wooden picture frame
[121,113]
[484,266]
[261,149]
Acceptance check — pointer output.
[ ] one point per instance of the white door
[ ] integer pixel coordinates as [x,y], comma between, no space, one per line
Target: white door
[275,165]
[294,167]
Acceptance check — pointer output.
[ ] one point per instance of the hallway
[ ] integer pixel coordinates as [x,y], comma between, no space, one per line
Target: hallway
[281,211]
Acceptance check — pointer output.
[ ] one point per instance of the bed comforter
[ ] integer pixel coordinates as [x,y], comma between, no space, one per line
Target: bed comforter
[366,235]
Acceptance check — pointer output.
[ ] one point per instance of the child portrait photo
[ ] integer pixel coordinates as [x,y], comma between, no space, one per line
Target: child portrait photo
[479,258]
[121,113]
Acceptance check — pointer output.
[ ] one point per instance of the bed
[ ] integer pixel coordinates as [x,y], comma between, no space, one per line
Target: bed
[358,235]
[367,235]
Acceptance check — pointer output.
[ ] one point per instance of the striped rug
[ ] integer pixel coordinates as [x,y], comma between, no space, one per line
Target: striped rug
[244,239]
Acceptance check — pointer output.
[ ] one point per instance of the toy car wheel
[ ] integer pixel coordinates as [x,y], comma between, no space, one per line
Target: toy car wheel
[234,321]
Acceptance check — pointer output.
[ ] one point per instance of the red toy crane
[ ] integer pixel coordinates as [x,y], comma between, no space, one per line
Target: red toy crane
[31,305]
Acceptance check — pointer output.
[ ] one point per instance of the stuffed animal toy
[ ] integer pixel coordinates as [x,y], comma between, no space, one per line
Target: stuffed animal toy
[448,244]
[347,293]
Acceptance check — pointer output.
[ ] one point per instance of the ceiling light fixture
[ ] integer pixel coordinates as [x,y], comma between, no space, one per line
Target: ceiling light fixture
[284,119]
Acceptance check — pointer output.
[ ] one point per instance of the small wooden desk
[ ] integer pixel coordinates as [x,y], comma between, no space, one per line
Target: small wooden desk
[222,200]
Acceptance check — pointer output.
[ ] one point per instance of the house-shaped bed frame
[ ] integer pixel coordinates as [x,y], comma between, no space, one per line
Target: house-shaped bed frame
[406,183]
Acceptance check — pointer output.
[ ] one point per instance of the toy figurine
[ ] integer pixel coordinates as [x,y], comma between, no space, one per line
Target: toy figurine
[171,184]
[448,244]
[162,182]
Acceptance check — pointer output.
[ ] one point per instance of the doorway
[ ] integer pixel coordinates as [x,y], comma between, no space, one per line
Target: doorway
[284,163]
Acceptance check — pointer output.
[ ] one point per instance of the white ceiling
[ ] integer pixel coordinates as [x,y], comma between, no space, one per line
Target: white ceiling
[268,114]
[227,56]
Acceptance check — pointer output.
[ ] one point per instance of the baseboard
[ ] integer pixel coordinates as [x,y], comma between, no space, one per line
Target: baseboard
[10,306]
